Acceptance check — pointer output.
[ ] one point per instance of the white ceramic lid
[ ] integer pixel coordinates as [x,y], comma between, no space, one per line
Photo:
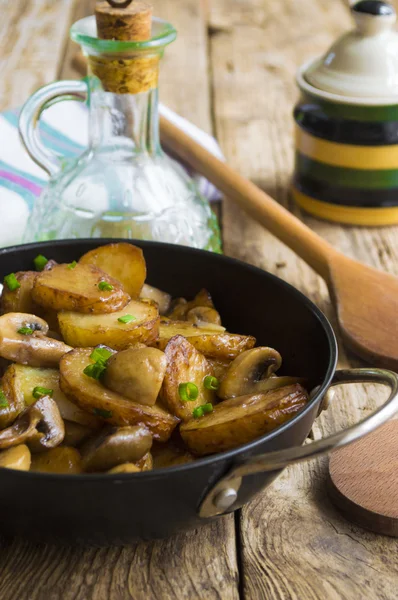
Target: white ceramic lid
[361,67]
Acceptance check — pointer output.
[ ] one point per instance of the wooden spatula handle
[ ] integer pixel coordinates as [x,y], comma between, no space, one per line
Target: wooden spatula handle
[279,221]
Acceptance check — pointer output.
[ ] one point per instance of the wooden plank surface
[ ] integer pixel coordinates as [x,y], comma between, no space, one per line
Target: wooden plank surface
[197,565]
[293,544]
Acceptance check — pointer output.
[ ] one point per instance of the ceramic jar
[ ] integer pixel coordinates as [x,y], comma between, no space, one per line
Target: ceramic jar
[347,124]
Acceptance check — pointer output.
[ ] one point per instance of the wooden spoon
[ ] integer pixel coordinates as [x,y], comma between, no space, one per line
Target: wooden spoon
[366,300]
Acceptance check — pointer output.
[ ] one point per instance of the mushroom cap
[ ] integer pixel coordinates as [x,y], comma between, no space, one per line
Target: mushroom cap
[114,446]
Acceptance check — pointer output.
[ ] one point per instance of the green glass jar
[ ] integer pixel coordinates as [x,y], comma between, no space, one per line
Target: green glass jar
[346,166]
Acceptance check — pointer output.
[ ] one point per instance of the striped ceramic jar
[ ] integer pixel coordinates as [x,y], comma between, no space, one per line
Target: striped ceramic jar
[346,167]
[347,124]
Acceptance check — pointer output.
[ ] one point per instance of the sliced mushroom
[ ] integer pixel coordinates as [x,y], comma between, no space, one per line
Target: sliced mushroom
[35,349]
[18,458]
[136,373]
[249,373]
[75,433]
[180,307]
[114,446]
[203,314]
[161,298]
[57,460]
[40,427]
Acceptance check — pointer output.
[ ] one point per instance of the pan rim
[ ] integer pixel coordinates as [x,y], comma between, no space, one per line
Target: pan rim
[227,456]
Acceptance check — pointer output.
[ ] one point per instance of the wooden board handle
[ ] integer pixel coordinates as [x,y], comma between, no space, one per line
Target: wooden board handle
[279,221]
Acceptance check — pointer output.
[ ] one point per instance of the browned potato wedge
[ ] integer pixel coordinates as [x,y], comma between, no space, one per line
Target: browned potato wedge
[122,261]
[220,367]
[184,365]
[18,458]
[31,346]
[57,460]
[241,420]
[19,300]
[21,381]
[170,455]
[180,307]
[63,288]
[161,298]
[145,463]
[75,433]
[221,346]
[91,330]
[136,373]
[90,395]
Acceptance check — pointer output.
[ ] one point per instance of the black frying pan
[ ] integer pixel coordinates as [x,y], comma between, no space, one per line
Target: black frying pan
[116,509]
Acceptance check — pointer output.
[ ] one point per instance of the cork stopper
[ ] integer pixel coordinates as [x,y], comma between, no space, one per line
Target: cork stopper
[129,24]
[133,23]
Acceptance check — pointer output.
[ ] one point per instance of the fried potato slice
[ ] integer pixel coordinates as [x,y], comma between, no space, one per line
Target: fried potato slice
[20,300]
[241,420]
[206,339]
[122,261]
[22,380]
[170,455]
[91,330]
[90,395]
[11,404]
[65,288]
[184,365]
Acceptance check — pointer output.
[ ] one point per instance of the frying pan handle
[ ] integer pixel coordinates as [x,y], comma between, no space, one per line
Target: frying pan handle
[224,494]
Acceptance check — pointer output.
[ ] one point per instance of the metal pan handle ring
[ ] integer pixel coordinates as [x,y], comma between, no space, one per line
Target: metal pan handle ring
[224,494]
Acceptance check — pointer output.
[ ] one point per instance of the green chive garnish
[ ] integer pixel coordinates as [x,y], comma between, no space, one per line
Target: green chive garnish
[188,391]
[207,408]
[40,262]
[95,371]
[105,286]
[211,383]
[127,319]
[105,414]
[3,400]
[72,265]
[198,412]
[39,392]
[11,282]
[25,330]
[100,355]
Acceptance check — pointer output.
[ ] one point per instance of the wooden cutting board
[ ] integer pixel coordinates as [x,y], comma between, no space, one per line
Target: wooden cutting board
[363,480]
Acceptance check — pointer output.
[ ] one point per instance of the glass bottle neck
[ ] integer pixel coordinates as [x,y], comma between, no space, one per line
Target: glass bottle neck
[123,124]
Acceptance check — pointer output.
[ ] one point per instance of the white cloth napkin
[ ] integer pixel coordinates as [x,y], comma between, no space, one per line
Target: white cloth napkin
[64,129]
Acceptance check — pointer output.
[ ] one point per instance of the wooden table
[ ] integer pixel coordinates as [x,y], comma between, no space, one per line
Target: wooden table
[231,72]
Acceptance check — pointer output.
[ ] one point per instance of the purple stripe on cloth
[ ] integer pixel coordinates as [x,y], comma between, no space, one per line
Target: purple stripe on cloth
[22,182]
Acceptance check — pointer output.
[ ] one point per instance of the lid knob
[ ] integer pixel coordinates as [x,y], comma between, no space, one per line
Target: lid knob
[373,16]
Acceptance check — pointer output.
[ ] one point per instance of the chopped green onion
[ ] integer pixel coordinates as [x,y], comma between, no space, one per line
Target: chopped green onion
[198,412]
[105,287]
[207,408]
[127,319]
[12,282]
[105,414]
[39,392]
[95,371]
[72,265]
[40,262]
[188,391]
[211,383]
[3,400]
[100,355]
[25,330]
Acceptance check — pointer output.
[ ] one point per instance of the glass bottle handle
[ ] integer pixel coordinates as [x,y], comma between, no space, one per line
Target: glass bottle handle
[30,117]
